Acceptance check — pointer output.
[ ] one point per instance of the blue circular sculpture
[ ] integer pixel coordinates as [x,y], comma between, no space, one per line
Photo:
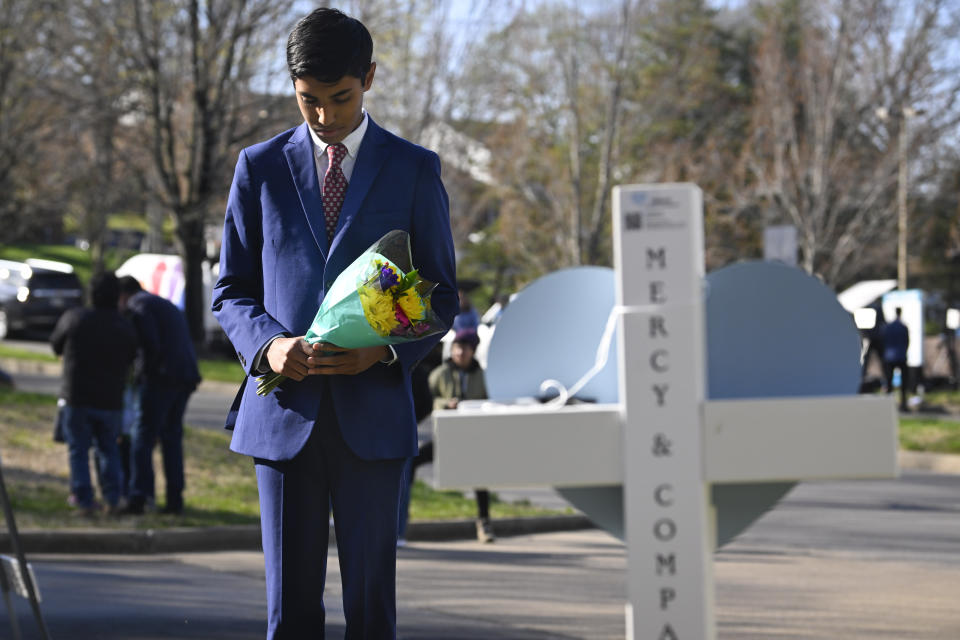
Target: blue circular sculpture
[772,331]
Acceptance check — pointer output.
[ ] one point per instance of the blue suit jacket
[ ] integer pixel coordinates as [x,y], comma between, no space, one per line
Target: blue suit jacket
[276,265]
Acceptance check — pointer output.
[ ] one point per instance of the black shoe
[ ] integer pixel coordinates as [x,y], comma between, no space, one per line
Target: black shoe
[133,508]
[174,510]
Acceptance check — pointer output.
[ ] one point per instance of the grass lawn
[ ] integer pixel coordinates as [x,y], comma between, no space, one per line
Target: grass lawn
[221,370]
[24,354]
[947,400]
[221,487]
[930,434]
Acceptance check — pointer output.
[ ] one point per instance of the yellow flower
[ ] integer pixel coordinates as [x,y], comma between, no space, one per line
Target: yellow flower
[412,305]
[378,309]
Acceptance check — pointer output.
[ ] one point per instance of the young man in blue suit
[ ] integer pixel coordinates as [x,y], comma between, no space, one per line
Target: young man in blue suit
[303,205]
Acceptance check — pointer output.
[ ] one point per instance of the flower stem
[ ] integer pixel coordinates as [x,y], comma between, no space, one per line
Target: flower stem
[268,382]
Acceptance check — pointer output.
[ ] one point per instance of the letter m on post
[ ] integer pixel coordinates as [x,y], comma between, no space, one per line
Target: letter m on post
[667,564]
[657,257]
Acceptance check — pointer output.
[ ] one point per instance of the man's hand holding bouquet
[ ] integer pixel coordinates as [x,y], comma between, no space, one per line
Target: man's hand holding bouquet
[378,300]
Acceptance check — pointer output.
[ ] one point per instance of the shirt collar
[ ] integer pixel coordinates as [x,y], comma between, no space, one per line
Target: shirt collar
[351,142]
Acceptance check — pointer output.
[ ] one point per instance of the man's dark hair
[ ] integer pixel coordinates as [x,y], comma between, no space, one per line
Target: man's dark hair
[104,290]
[129,285]
[328,45]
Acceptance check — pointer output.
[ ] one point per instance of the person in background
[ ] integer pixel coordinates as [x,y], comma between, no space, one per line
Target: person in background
[166,373]
[468,317]
[874,346]
[461,378]
[896,340]
[98,346]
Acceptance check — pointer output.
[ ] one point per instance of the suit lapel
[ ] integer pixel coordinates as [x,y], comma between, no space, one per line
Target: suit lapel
[303,168]
[370,158]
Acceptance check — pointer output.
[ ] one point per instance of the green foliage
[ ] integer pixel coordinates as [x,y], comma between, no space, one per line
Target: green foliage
[930,434]
[937,216]
[12,398]
[408,280]
[944,400]
[221,370]
[25,354]
[486,262]
[428,504]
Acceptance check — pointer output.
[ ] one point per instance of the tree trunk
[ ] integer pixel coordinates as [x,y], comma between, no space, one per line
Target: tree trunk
[99,210]
[192,253]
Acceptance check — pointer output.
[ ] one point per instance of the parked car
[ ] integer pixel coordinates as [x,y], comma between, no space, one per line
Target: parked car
[35,293]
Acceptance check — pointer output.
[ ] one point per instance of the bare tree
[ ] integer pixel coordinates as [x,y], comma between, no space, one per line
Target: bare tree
[551,86]
[93,78]
[819,157]
[413,49]
[617,76]
[195,63]
[28,116]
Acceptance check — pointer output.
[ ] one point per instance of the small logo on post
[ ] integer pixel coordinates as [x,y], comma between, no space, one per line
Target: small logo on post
[633,221]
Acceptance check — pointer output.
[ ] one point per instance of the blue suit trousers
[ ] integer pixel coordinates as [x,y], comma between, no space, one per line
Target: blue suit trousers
[295,500]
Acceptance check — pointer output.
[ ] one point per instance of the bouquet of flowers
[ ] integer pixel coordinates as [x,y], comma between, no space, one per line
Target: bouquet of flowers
[379,299]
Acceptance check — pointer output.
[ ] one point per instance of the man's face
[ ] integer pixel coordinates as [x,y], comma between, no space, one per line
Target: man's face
[461,354]
[333,109]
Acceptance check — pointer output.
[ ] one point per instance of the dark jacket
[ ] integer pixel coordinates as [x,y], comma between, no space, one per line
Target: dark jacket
[166,356]
[896,339]
[98,346]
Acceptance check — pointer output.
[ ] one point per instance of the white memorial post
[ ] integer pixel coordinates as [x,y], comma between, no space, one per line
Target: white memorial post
[664,442]
[659,259]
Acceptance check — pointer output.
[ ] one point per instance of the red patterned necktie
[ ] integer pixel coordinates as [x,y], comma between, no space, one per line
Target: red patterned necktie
[334,187]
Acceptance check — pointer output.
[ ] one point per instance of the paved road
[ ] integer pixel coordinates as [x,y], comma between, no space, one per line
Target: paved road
[845,560]
[207,408]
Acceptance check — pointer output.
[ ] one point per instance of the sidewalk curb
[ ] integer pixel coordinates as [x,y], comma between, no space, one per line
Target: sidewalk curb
[247,537]
[923,461]
[130,541]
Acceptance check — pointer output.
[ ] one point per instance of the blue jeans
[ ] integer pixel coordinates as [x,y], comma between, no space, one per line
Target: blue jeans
[83,426]
[161,418]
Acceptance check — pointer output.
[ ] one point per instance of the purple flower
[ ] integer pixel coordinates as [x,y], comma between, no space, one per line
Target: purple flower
[388,278]
[421,327]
